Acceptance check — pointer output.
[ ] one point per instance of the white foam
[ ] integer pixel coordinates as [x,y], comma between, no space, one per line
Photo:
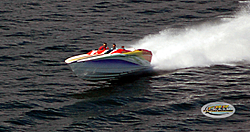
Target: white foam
[202,45]
[244,1]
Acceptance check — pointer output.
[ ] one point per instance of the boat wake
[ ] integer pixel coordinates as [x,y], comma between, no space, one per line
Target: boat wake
[203,45]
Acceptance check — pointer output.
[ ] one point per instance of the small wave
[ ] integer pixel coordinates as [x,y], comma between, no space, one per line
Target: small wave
[50,114]
[20,122]
[18,34]
[8,58]
[60,48]
[15,104]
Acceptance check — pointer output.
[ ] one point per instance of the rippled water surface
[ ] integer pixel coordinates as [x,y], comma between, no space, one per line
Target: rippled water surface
[200,54]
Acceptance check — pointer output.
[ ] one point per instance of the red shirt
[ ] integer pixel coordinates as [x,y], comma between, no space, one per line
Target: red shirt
[103,48]
[121,51]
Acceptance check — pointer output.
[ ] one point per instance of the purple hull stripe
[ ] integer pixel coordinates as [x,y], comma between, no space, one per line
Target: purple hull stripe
[113,62]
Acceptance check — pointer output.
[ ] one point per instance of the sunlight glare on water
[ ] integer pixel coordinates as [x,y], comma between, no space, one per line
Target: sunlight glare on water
[203,45]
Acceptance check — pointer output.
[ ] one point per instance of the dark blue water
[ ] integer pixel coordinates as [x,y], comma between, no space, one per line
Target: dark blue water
[39,92]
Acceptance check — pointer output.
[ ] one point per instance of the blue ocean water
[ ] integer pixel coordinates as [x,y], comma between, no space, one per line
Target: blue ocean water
[200,55]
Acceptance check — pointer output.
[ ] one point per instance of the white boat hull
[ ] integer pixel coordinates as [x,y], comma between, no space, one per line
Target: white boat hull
[109,68]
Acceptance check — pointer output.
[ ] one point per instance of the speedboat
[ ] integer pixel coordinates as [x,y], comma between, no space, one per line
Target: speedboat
[99,65]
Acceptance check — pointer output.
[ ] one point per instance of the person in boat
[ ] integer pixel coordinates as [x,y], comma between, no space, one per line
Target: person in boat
[104,47]
[114,47]
[121,50]
[124,50]
[101,49]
